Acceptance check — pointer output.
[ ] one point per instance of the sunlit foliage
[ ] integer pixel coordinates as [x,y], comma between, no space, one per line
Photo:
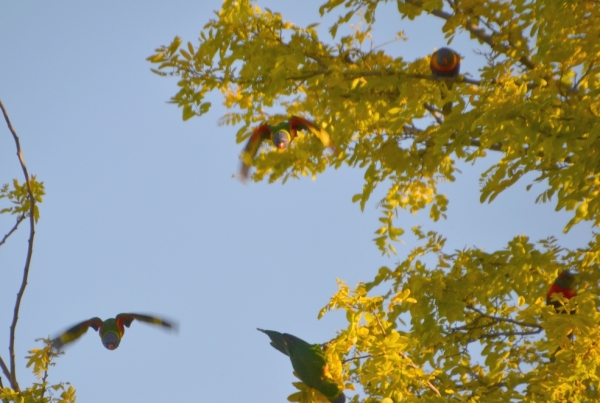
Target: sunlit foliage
[536,105]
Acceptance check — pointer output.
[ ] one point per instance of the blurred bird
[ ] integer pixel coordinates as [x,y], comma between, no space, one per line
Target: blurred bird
[281,135]
[445,63]
[309,363]
[111,330]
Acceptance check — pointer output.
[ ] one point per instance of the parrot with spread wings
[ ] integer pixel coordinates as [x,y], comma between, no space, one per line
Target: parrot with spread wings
[281,135]
[111,330]
[309,362]
[445,63]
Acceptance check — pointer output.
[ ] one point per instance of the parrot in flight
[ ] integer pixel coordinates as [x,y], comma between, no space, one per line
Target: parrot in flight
[309,363]
[111,330]
[281,135]
[445,63]
[564,284]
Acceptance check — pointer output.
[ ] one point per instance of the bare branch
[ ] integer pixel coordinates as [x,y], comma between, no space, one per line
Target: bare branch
[362,356]
[19,219]
[501,334]
[500,319]
[13,326]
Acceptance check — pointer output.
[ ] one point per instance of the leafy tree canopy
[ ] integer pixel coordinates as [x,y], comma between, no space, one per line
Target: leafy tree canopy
[536,104]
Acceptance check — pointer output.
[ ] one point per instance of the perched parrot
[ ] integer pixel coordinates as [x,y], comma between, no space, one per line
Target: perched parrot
[309,363]
[111,330]
[445,63]
[564,284]
[281,135]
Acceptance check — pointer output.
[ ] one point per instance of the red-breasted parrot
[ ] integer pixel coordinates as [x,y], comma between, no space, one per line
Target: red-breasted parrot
[309,363]
[565,285]
[111,330]
[445,63]
[281,135]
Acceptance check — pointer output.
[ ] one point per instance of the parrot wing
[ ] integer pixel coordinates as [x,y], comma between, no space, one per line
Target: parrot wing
[260,134]
[276,340]
[76,332]
[297,123]
[307,359]
[125,319]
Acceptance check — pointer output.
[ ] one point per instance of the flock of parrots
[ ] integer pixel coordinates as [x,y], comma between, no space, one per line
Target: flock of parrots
[308,360]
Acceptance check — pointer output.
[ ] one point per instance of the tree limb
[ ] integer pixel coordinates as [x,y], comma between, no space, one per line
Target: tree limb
[19,219]
[13,326]
[475,31]
[500,319]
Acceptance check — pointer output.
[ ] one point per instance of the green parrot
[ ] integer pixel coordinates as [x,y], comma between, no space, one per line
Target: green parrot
[445,63]
[111,330]
[309,363]
[281,135]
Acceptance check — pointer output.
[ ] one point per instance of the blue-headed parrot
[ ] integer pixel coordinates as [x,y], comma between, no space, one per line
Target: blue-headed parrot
[281,135]
[110,330]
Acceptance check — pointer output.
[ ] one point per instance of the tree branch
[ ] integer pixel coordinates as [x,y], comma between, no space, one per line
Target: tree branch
[475,31]
[19,219]
[13,326]
[500,319]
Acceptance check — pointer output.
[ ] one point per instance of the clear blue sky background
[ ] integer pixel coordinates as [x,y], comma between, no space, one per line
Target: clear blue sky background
[142,213]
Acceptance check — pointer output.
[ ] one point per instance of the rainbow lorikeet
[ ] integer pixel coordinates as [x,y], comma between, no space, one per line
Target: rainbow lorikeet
[281,135]
[111,330]
[445,63]
[309,363]
[565,285]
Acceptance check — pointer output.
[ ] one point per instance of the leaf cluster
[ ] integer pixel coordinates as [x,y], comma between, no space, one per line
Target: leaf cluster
[40,360]
[18,195]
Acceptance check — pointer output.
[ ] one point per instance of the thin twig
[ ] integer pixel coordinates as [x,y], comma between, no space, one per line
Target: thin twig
[363,356]
[13,326]
[501,334]
[44,383]
[19,219]
[434,112]
[500,319]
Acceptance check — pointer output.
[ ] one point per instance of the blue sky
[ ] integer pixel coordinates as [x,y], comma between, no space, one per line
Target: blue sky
[142,213]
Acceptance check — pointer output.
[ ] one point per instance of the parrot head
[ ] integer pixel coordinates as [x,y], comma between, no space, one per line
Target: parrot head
[445,63]
[281,139]
[111,340]
[566,279]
